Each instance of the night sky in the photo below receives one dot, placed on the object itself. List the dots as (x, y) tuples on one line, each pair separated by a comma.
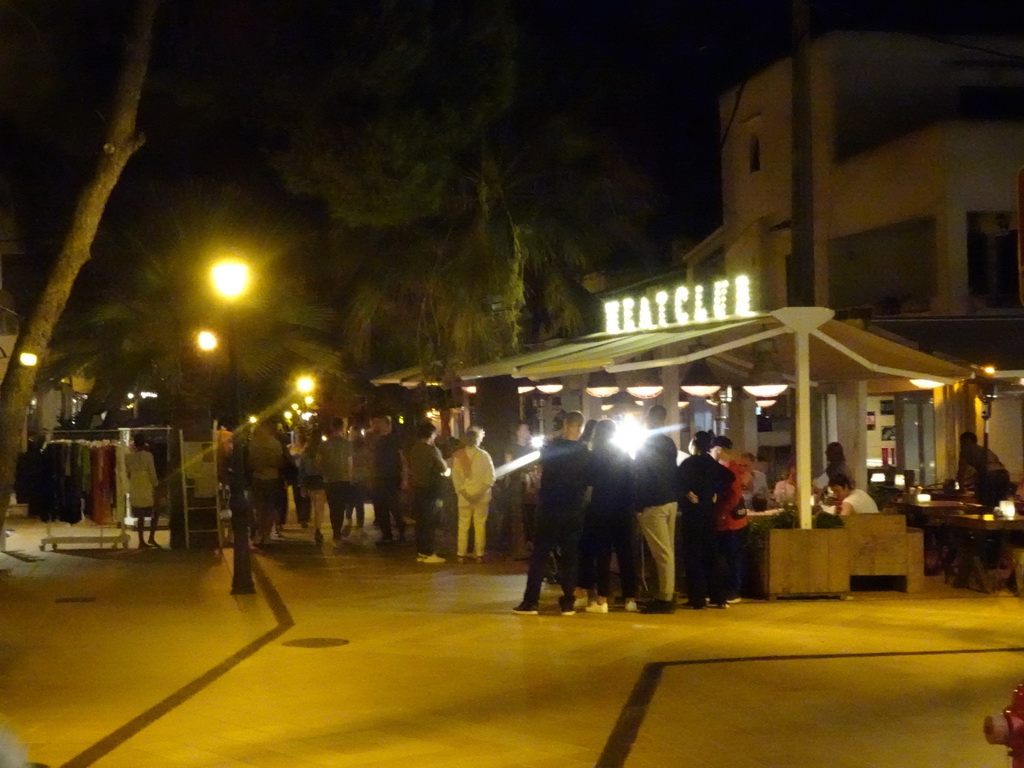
[(643, 75)]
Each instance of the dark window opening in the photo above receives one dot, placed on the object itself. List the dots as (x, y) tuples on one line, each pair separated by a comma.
[(992, 258), (755, 154), (980, 102)]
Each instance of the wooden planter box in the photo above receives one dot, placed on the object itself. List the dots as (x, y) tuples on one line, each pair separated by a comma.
[(797, 562)]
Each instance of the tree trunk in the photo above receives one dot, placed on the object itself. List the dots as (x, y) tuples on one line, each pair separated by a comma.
[(121, 142)]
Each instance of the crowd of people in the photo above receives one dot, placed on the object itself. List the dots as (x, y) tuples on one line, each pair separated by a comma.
[(574, 509), (335, 475)]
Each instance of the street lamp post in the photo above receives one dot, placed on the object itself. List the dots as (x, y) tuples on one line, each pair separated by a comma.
[(230, 280)]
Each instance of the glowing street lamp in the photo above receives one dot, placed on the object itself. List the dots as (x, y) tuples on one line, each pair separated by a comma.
[(305, 385), (230, 278), (28, 359), (206, 341)]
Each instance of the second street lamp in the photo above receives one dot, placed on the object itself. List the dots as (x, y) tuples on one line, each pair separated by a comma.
[(231, 280)]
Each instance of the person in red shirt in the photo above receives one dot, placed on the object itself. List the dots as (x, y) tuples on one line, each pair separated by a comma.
[(731, 514)]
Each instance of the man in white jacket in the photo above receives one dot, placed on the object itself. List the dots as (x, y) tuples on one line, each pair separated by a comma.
[(473, 476)]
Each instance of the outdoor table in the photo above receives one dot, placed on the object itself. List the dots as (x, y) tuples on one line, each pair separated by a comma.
[(968, 527)]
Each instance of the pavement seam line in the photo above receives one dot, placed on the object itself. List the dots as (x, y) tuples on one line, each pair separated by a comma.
[(627, 727), (115, 739)]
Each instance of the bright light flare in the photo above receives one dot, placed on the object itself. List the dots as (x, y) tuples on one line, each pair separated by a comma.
[(206, 341), (630, 434), (230, 278), (537, 441), (28, 359), (305, 384), (519, 463)]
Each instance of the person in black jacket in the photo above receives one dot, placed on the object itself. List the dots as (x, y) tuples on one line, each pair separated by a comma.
[(564, 480), (608, 524), (701, 481), (655, 468)]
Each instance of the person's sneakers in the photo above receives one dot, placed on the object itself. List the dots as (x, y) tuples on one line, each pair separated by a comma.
[(631, 606), (721, 606), (580, 603), (733, 600), (431, 559), (567, 604), (526, 609), (659, 606), (597, 608)]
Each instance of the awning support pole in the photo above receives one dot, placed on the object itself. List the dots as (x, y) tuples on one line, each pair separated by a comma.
[(803, 427), (803, 321)]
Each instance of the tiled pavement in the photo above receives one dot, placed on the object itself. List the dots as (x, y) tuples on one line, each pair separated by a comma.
[(436, 671)]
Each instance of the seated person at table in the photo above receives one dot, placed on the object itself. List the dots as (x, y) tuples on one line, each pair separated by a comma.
[(785, 489), (755, 485), (850, 500), (982, 469)]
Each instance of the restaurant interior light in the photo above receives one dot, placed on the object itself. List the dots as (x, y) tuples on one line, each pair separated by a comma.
[(765, 379), (646, 385), (1007, 508), (989, 369), (469, 389), (699, 381), (877, 477), (765, 403), (602, 384), (550, 387), (925, 383), (526, 387)]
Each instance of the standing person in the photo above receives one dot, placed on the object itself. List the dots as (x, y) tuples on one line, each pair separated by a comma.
[(608, 522), (311, 480), (655, 478), (701, 479), (981, 469), (386, 472), (731, 523), (473, 476), (426, 470), (588, 432), (522, 490), (356, 511), (336, 462), (836, 465), (265, 461), (142, 483), (564, 480), (282, 502), (301, 501)]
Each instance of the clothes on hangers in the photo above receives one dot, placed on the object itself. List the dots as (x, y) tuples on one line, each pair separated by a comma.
[(79, 477)]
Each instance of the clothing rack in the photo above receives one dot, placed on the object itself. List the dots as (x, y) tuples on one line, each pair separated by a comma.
[(113, 534)]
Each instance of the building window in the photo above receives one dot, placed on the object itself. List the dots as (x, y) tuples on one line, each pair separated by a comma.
[(754, 154), (992, 257), (992, 102)]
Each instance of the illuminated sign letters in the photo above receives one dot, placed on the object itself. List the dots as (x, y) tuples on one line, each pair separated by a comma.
[(685, 305)]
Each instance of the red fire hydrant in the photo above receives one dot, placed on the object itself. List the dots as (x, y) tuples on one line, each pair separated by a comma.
[(1007, 728)]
